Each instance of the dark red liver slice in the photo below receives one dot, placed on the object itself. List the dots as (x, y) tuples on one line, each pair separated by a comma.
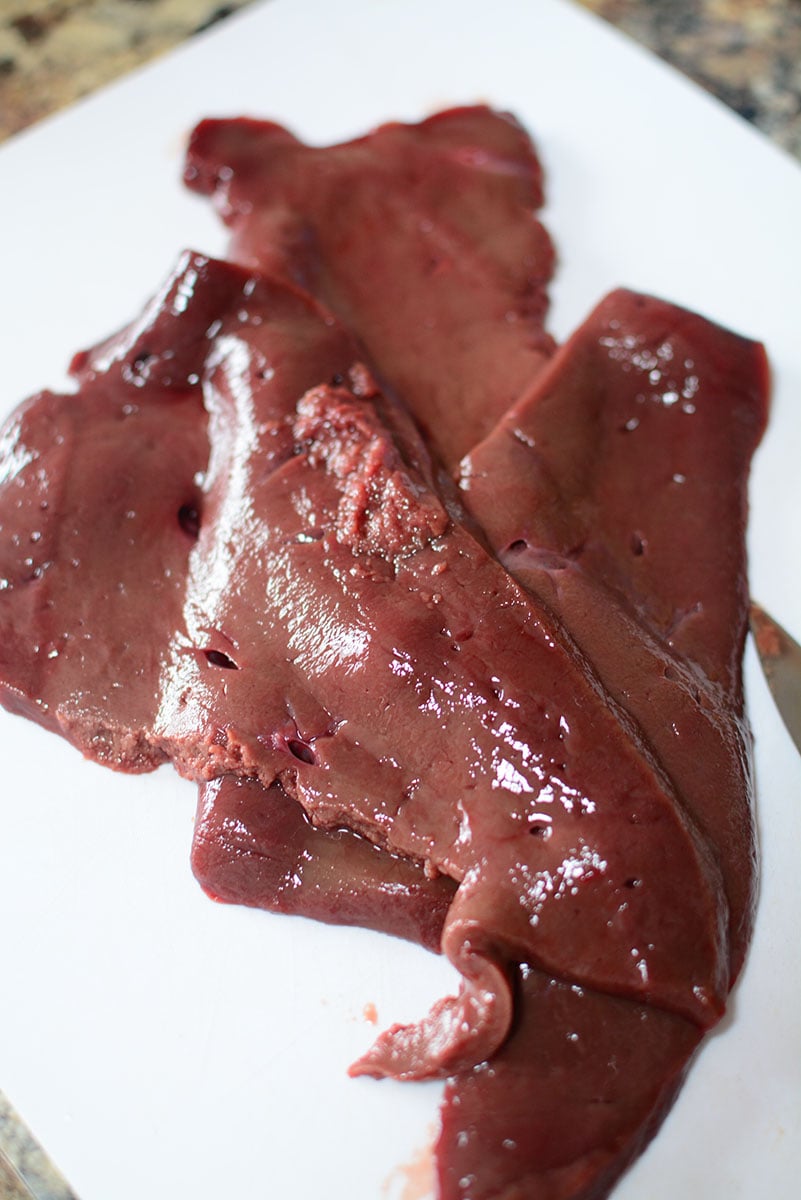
[(422, 240), (96, 504), (254, 846), (616, 492), (569, 1101)]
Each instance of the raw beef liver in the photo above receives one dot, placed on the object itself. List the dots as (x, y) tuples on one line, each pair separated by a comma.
[(573, 1096), (344, 634), (420, 237), (516, 704), (255, 846), (615, 492)]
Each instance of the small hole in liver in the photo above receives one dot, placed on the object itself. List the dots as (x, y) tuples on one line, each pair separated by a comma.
[(189, 519), (216, 658), (301, 750), (539, 829)]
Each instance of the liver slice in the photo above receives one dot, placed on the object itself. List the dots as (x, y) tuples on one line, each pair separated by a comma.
[(422, 240), (615, 492), (568, 1102), (253, 845)]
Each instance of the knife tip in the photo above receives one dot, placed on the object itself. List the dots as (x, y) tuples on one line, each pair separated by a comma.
[(768, 635)]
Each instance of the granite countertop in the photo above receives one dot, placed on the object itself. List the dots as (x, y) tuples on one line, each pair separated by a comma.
[(746, 52)]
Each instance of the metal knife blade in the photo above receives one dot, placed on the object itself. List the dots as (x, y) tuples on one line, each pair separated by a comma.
[(780, 656)]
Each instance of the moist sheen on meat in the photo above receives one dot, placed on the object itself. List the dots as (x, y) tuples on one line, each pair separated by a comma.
[(615, 493), (420, 237), (473, 716), (638, 513), (254, 845)]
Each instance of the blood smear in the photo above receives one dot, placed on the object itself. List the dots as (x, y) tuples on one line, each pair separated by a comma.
[(370, 1013), (413, 1180)]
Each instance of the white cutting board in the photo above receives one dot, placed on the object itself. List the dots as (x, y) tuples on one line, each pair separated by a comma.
[(164, 1046)]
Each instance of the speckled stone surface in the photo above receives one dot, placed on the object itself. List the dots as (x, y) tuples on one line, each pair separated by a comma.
[(54, 51), (746, 52), (25, 1170)]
